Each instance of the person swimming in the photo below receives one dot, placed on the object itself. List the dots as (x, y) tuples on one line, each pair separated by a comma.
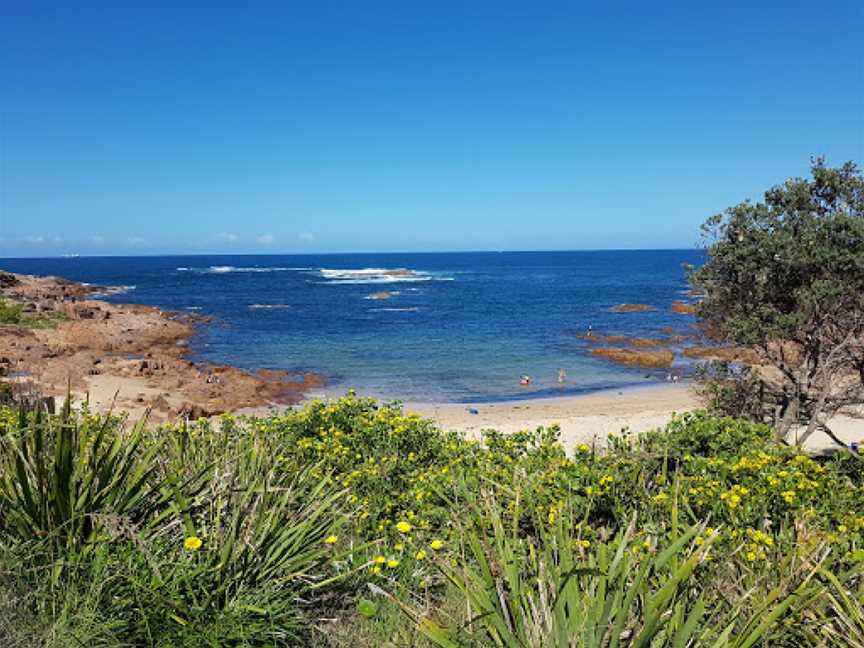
[(525, 380), (562, 376)]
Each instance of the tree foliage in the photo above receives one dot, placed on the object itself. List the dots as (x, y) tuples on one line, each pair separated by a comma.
[(786, 277)]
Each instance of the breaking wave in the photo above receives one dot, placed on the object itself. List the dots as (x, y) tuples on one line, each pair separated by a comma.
[(379, 275), (229, 269), (406, 309)]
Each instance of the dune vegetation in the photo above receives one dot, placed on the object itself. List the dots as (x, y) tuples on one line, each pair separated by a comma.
[(353, 523)]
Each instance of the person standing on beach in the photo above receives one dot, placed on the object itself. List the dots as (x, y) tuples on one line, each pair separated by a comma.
[(562, 376)]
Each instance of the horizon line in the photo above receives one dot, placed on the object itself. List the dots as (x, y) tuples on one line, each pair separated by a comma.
[(72, 256)]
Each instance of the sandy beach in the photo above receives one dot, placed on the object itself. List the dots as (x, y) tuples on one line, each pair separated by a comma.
[(591, 418), (588, 418)]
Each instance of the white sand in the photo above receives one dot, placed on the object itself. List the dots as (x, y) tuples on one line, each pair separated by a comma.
[(592, 417)]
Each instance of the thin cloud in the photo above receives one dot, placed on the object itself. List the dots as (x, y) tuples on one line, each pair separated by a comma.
[(97, 240), (227, 237), (136, 240), (306, 237), (266, 239)]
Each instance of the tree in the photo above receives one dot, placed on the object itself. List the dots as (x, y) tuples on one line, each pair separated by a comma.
[(785, 277)]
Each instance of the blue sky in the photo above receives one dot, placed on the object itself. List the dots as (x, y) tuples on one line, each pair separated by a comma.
[(144, 128)]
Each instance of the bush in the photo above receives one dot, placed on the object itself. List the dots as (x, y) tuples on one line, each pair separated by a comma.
[(244, 530), (10, 314)]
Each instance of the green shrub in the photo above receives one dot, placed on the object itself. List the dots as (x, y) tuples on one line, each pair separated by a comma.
[(10, 313)]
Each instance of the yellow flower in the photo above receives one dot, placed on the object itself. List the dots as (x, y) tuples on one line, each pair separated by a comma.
[(589, 490), (420, 555), (392, 563), (583, 447), (659, 498), (751, 556), (403, 527), (380, 560), (789, 496), (375, 569), (437, 544), (331, 539), (192, 543)]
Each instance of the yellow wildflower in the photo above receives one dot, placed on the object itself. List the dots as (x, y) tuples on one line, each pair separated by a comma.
[(420, 555), (331, 539), (437, 544), (392, 563), (404, 527), (192, 543)]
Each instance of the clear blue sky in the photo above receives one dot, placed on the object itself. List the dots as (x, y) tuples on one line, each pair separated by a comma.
[(147, 128)]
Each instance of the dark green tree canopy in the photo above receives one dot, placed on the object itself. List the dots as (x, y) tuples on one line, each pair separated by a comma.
[(786, 277)]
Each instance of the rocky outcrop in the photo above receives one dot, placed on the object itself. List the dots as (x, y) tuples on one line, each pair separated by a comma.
[(631, 308), (728, 354), (683, 308), (648, 359), (384, 294)]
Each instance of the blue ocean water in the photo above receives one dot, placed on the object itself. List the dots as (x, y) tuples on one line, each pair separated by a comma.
[(458, 327)]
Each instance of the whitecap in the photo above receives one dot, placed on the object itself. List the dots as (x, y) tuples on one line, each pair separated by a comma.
[(113, 290), (227, 269), (407, 309), (378, 275), (269, 306)]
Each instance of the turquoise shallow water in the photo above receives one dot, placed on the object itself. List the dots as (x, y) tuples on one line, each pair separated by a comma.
[(457, 326)]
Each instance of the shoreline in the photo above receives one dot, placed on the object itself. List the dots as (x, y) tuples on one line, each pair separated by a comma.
[(582, 418), (130, 357)]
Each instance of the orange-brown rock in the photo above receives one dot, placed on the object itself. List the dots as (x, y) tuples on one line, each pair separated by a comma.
[(605, 339), (648, 342), (140, 347), (683, 308), (729, 354), (631, 308), (381, 295), (648, 359)]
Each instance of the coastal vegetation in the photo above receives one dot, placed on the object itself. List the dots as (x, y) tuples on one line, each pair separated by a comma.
[(785, 279), (354, 523)]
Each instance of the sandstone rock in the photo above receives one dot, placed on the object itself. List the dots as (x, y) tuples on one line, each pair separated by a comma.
[(648, 359), (683, 308), (631, 308)]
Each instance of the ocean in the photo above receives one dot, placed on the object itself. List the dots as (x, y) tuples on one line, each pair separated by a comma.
[(455, 327)]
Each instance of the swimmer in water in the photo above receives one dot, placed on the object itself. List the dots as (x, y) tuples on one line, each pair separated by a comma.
[(562, 376), (525, 380)]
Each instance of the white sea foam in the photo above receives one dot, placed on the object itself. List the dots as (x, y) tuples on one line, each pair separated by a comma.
[(379, 275), (113, 290), (269, 306), (407, 309), (229, 269)]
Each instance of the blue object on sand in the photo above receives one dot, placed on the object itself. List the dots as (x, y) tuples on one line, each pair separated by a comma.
[(471, 410)]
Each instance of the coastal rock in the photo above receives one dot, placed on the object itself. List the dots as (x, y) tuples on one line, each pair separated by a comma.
[(683, 308), (728, 354), (599, 338), (631, 308), (647, 359), (381, 295), (7, 280)]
